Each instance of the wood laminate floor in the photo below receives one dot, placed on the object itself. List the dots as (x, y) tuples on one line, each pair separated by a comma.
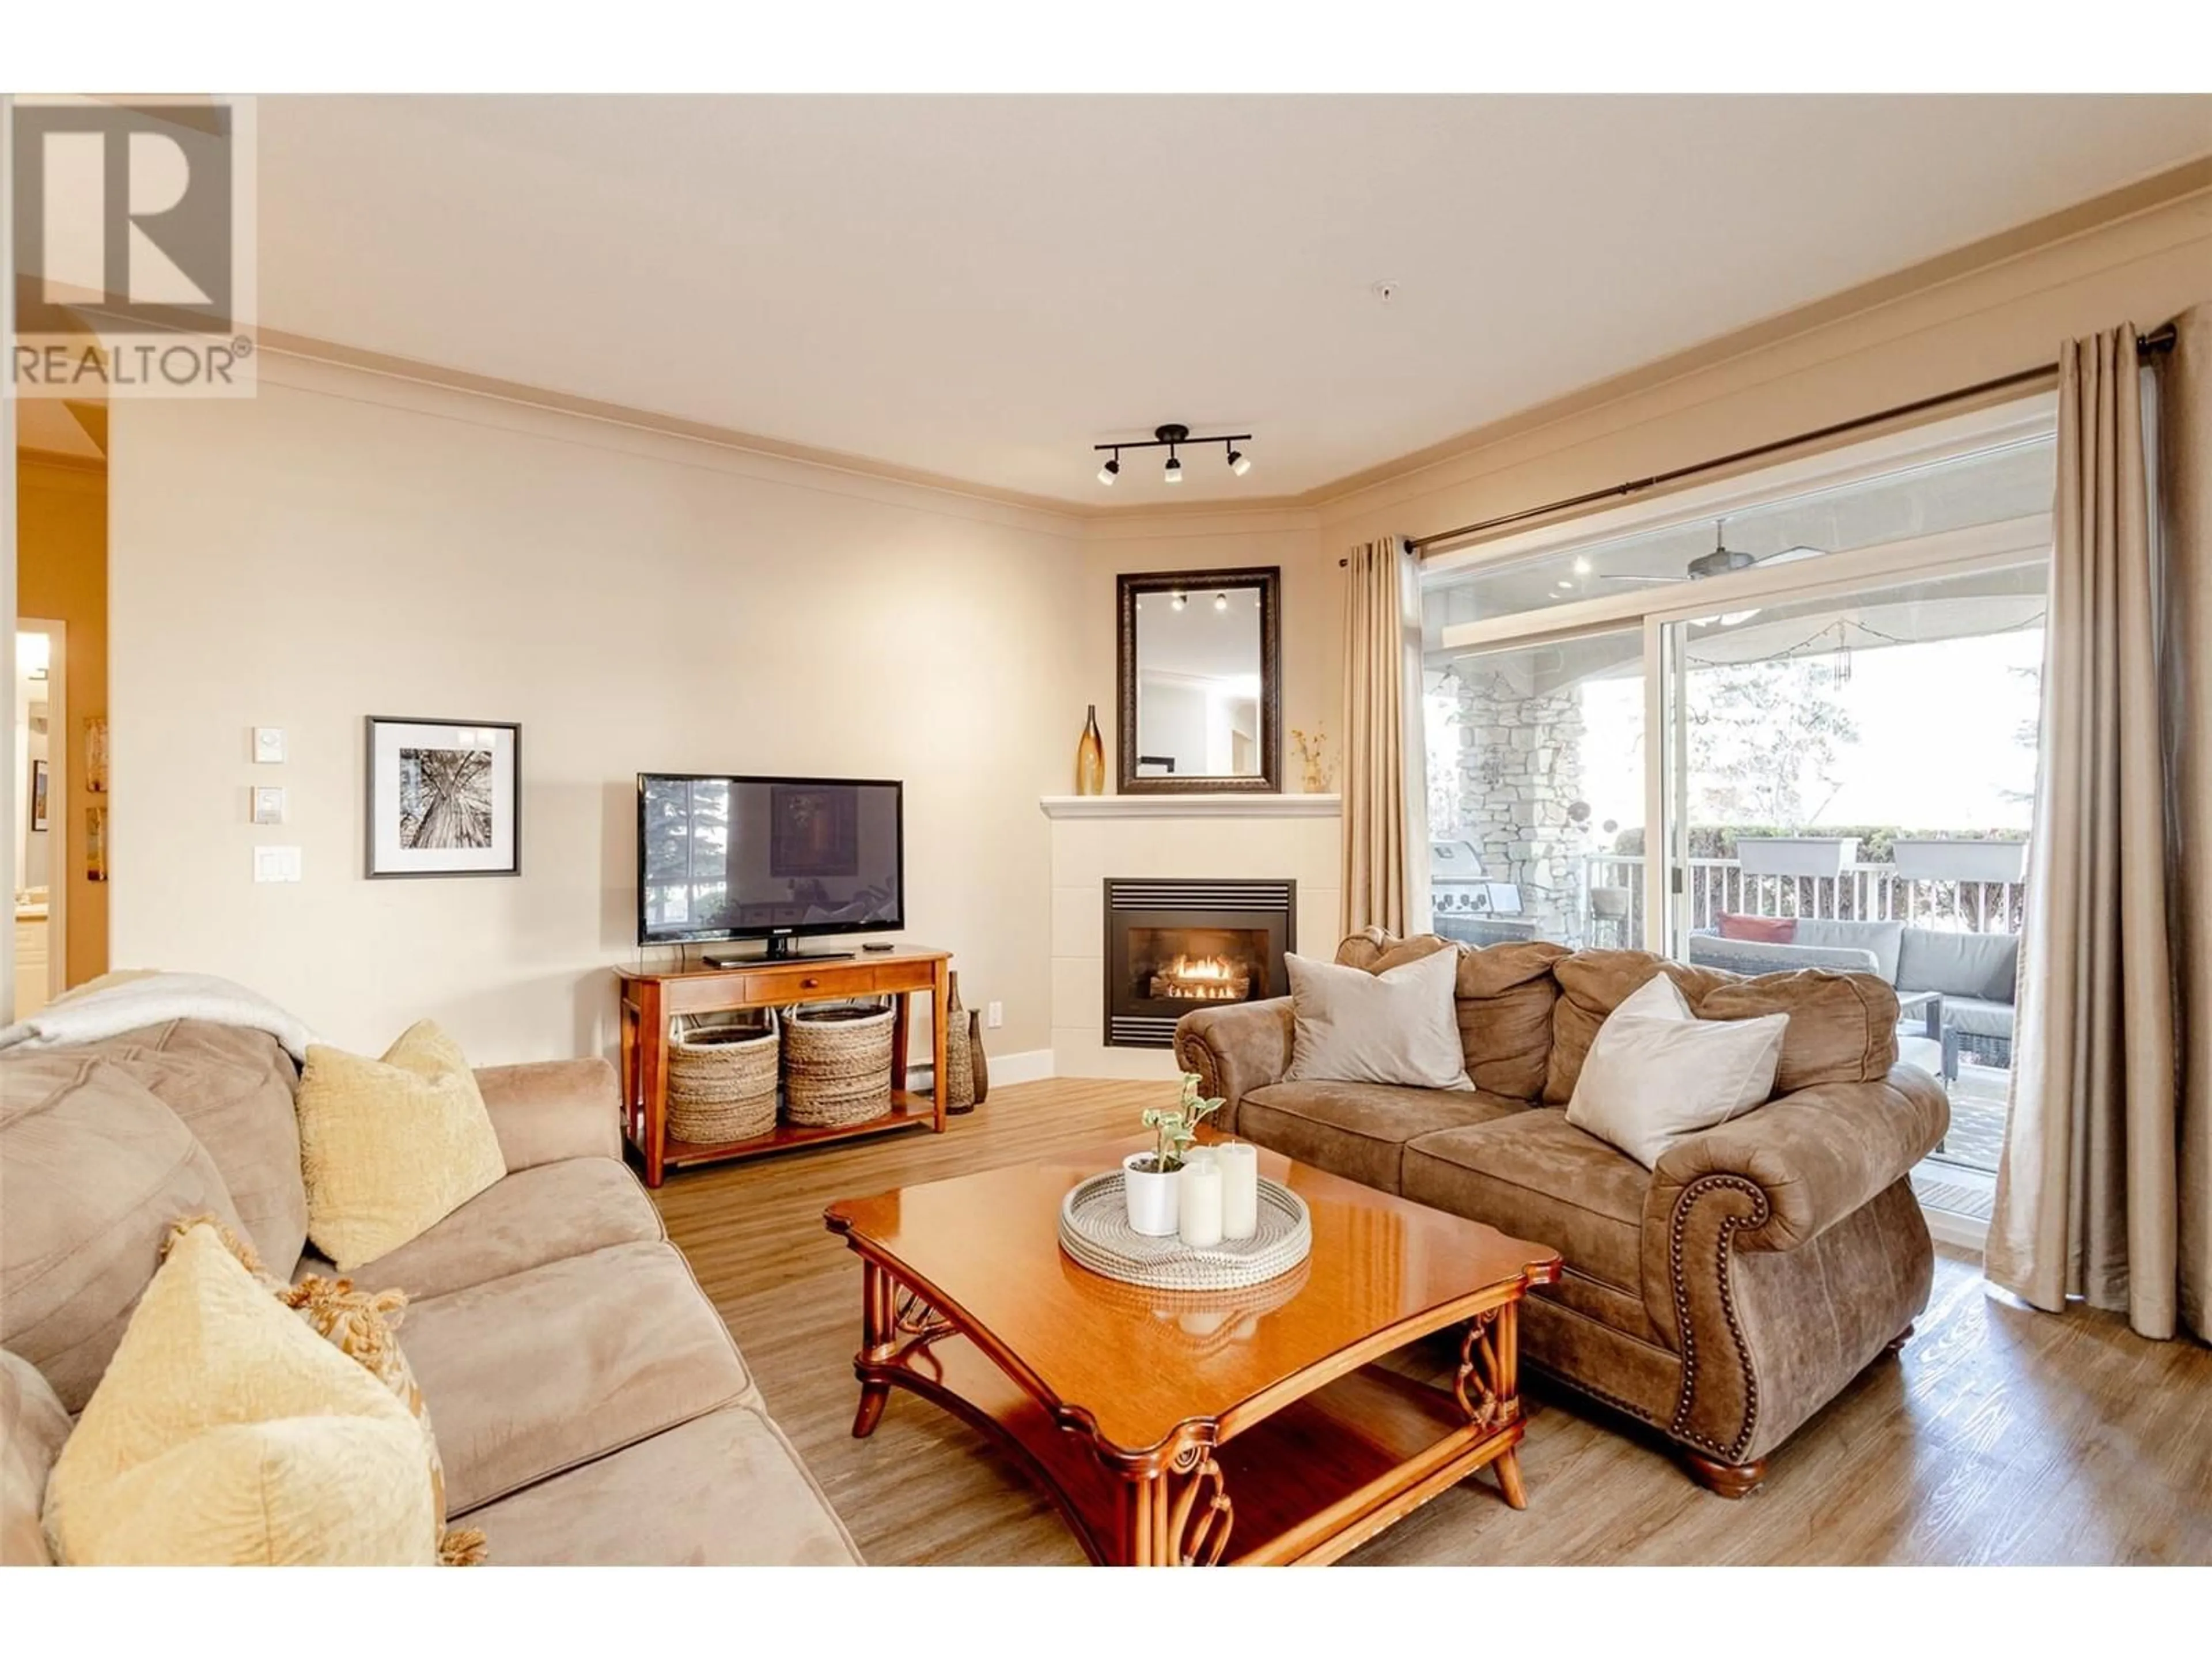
[(2001, 1434)]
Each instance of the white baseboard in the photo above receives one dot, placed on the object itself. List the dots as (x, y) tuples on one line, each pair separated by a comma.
[(1029, 1065), (1963, 1232)]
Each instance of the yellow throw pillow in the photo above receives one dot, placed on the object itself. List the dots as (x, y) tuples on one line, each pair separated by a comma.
[(390, 1147), (225, 1431)]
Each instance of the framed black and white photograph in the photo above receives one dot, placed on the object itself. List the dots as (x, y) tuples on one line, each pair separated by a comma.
[(445, 797)]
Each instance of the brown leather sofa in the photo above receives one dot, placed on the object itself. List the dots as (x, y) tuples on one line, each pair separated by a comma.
[(1722, 1297), (589, 1404)]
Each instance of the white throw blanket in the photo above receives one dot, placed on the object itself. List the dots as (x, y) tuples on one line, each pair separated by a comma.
[(155, 999)]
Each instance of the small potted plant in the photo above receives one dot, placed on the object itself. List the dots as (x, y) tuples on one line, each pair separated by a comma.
[(1148, 1179)]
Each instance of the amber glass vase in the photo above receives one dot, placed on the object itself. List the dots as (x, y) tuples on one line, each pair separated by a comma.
[(1090, 757)]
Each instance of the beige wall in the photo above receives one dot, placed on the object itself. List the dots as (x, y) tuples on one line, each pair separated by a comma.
[(62, 575), (1313, 608), (1968, 328), (342, 546)]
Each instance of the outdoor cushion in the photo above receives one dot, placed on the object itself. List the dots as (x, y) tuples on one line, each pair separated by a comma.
[(232, 1087), (1360, 1130), (725, 1489), (93, 1171), (1974, 1017), (1765, 930), (537, 1372), (1885, 938), (546, 1214), (1984, 966), (1745, 956), (1534, 1175)]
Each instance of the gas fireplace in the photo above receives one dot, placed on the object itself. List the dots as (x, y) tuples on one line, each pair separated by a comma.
[(1172, 946)]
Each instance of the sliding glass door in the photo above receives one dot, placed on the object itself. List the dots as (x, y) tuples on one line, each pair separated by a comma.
[(1800, 735), (1536, 792)]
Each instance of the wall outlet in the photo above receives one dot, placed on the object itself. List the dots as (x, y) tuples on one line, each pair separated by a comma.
[(277, 864), (994, 1015), (268, 745)]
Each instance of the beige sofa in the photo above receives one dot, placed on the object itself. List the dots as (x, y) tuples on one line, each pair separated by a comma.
[(1722, 1297), (589, 1404)]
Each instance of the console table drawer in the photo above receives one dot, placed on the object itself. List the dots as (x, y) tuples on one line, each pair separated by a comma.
[(853, 981)]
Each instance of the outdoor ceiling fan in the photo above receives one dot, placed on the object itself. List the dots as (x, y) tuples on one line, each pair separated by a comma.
[(1722, 560)]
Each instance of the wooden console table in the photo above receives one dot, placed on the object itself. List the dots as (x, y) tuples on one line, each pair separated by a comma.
[(649, 1001)]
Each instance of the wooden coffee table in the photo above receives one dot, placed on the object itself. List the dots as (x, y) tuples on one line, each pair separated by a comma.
[(1175, 1428)]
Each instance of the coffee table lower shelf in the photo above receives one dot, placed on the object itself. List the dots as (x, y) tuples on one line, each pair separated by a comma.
[(1307, 1484)]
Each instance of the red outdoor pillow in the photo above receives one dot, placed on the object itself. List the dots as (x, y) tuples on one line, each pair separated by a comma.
[(1764, 930)]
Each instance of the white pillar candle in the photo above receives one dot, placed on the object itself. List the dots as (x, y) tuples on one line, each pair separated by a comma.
[(1238, 1161), (1197, 1205)]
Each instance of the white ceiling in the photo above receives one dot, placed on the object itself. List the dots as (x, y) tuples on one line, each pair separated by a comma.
[(983, 288)]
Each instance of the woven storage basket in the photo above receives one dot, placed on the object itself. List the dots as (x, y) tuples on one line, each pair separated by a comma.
[(836, 1065), (721, 1081)]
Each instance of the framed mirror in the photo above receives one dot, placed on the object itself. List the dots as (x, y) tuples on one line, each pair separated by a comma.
[(1200, 673)]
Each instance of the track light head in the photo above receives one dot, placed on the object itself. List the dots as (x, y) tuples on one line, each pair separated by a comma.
[(1111, 470), (1180, 601), (1239, 462), (1174, 468), (1221, 602)]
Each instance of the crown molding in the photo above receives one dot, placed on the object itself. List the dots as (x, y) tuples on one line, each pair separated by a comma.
[(2172, 188), (1304, 509)]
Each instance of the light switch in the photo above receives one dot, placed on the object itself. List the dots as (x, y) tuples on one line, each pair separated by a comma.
[(277, 864), (269, 804), (268, 745)]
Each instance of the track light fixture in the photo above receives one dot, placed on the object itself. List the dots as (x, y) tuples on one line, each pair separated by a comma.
[(1172, 437), (1221, 602)]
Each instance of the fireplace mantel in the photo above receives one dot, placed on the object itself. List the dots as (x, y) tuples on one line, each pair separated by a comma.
[(1202, 837), (1229, 804)]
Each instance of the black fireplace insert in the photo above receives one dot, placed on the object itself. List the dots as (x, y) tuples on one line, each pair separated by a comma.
[(1173, 946)]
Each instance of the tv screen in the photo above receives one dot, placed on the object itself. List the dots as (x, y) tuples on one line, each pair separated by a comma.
[(722, 858)]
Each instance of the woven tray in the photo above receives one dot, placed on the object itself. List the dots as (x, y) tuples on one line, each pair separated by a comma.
[(1095, 1231)]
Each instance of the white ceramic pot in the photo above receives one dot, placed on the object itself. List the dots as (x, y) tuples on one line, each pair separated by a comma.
[(1151, 1197)]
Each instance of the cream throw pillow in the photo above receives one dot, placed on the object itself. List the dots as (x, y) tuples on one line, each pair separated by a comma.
[(1656, 1072), (1351, 1026), (390, 1147), (226, 1432)]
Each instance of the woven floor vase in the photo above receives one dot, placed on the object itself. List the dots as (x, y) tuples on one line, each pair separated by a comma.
[(721, 1082), (836, 1065)]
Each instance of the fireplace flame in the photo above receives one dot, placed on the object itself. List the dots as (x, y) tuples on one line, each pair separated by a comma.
[(1201, 979), (1203, 968)]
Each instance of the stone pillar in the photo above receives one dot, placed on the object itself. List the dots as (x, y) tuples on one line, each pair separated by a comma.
[(1521, 769)]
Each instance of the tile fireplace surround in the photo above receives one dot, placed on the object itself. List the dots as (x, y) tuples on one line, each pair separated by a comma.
[(1193, 837)]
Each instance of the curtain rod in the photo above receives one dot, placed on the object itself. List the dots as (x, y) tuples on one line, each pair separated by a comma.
[(2159, 339)]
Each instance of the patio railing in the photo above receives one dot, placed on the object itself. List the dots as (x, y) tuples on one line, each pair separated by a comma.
[(1863, 893)]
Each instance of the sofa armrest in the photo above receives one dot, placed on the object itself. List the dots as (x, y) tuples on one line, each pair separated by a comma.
[(1236, 1048), (1811, 1158), (553, 1109)]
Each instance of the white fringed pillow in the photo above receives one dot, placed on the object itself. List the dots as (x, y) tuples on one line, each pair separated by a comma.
[(1656, 1072)]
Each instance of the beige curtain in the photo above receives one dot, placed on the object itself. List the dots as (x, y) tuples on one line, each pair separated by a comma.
[(2185, 613), (1386, 864), (2089, 1199)]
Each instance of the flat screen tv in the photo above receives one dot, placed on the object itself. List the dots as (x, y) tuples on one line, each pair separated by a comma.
[(722, 857)]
